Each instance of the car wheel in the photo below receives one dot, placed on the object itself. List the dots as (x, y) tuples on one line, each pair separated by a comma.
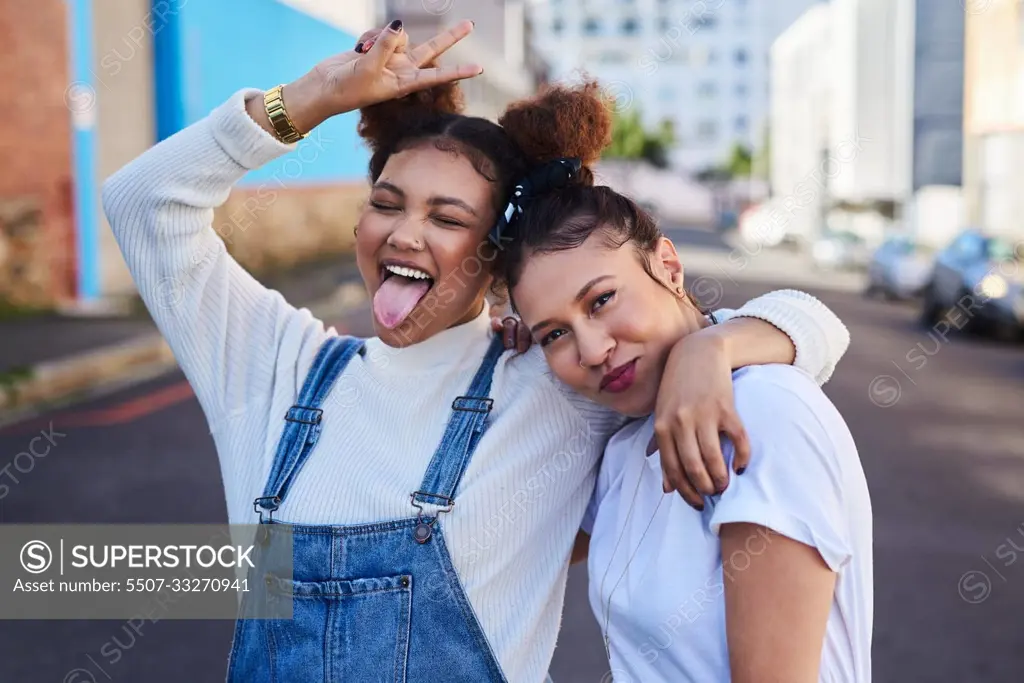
[(931, 309), (1006, 332)]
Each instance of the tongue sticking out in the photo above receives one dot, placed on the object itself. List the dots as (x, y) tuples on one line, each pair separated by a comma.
[(396, 298)]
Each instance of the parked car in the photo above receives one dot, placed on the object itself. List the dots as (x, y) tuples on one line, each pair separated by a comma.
[(978, 282), (899, 269), (840, 250)]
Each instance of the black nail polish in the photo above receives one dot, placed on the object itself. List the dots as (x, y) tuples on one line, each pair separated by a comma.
[(741, 470), (395, 25), (698, 508), (359, 47)]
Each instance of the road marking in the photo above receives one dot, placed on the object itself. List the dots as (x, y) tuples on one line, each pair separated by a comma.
[(119, 414)]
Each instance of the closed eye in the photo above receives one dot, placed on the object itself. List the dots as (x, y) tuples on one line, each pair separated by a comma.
[(380, 206), (450, 222)]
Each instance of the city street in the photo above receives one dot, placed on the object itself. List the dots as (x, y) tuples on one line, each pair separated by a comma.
[(939, 428)]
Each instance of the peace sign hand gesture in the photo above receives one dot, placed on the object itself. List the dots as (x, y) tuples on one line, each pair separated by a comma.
[(389, 69)]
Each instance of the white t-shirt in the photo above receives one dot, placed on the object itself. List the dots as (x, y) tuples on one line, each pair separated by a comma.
[(667, 615)]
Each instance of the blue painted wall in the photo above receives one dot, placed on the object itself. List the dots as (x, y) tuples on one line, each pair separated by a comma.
[(216, 48)]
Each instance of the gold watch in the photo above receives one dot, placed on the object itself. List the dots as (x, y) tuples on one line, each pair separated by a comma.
[(286, 130)]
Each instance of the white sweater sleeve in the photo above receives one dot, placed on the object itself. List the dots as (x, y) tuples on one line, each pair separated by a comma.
[(227, 331), (818, 334)]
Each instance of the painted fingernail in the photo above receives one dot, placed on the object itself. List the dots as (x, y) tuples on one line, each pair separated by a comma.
[(395, 26), (368, 44), (698, 508), (741, 470), (359, 47)]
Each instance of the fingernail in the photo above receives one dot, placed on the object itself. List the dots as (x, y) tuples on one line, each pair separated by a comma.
[(699, 508), (741, 470), (395, 26), (368, 44), (359, 47)]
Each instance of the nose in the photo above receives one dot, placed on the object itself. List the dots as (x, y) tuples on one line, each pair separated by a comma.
[(595, 346), (407, 236)]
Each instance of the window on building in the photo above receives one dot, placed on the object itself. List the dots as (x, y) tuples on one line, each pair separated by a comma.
[(706, 90), (704, 22), (741, 90), (630, 26), (667, 94), (741, 56), (557, 25), (741, 125), (707, 130), (591, 26), (664, 23)]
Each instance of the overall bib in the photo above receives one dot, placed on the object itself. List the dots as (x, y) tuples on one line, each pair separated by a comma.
[(378, 601)]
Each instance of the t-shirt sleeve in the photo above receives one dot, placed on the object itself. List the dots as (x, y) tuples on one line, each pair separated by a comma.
[(794, 483)]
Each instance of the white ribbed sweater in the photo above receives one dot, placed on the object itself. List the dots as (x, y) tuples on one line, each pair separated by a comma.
[(246, 351)]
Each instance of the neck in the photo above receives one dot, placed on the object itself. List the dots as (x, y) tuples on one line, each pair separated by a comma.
[(693, 319)]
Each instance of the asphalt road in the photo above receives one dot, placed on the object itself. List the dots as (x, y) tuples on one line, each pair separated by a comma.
[(940, 428)]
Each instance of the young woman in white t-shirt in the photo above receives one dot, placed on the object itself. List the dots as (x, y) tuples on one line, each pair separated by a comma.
[(432, 529), (769, 581)]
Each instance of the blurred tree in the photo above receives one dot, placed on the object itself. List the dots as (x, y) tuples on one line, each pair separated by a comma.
[(630, 140), (740, 162)]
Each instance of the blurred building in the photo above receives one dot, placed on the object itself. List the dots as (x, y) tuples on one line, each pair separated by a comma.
[(799, 116), (869, 166), (866, 118), (994, 117), (500, 43), (701, 64)]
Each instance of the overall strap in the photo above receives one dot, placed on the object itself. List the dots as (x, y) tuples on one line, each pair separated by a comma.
[(302, 422), (465, 427)]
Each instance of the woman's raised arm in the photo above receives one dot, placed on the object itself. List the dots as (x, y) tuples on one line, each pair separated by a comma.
[(226, 330)]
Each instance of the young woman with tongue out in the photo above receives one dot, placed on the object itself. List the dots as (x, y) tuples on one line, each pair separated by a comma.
[(433, 483)]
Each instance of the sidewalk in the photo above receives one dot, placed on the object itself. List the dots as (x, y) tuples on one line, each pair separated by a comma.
[(49, 359)]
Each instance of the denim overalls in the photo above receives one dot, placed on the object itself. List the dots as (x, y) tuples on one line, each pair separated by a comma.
[(378, 601)]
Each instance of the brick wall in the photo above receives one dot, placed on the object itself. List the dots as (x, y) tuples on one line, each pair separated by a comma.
[(36, 228)]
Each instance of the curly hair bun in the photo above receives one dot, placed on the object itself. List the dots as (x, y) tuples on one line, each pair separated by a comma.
[(382, 124), (561, 121)]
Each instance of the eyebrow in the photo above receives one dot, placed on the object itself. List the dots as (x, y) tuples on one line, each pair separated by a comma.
[(434, 201), (579, 297)]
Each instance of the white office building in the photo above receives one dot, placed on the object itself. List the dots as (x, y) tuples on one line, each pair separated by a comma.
[(703, 64), (866, 118)]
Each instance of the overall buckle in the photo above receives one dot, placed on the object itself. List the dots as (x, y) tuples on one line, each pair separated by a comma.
[(473, 404), (304, 415), (424, 529), (266, 504)]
